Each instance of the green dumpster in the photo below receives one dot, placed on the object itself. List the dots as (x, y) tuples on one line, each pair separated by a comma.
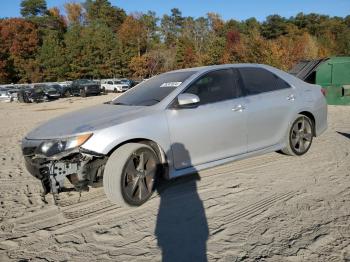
[(333, 74)]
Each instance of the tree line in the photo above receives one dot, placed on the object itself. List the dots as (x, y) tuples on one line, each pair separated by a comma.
[(95, 39)]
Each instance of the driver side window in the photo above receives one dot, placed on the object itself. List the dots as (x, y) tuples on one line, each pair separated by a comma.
[(216, 86)]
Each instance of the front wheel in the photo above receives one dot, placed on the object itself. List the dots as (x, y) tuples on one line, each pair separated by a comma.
[(82, 93), (130, 174), (67, 93), (300, 136)]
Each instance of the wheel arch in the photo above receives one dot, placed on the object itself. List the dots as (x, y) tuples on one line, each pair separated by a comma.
[(312, 117), (154, 145)]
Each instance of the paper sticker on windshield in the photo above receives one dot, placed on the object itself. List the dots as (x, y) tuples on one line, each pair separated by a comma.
[(171, 84)]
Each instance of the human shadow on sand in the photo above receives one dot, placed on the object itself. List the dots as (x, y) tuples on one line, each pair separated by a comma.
[(182, 228)]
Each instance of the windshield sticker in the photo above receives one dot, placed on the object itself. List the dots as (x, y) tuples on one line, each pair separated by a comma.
[(171, 84)]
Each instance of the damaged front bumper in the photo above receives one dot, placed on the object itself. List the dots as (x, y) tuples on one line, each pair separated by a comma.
[(82, 168)]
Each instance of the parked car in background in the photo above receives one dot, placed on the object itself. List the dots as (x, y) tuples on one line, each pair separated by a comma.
[(175, 124), (13, 93), (29, 94), (113, 85), (5, 95), (85, 87), (49, 92), (64, 90), (136, 82), (129, 82), (59, 89)]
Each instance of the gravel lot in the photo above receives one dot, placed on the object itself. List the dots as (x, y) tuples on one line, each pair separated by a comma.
[(267, 208)]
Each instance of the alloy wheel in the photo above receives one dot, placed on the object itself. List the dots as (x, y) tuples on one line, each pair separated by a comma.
[(301, 135), (139, 175)]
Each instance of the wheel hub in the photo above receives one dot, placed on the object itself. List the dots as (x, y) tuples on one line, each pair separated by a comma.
[(300, 135), (140, 175)]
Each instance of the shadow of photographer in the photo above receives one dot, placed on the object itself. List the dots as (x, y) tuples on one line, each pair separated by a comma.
[(181, 228)]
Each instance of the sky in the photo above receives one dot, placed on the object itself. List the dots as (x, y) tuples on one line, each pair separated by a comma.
[(228, 9)]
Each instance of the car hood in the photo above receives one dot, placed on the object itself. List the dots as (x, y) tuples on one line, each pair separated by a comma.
[(86, 120)]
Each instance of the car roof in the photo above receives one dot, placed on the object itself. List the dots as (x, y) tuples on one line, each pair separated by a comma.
[(286, 76), (213, 67)]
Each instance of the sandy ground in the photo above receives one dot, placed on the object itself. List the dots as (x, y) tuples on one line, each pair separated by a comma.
[(267, 208)]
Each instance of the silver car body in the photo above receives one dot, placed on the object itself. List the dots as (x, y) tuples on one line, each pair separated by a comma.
[(212, 134)]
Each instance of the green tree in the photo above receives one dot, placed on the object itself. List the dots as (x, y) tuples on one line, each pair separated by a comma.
[(51, 57), (274, 26), (33, 8), (90, 51), (149, 21), (171, 26), (185, 54), (103, 12), (249, 25), (196, 31)]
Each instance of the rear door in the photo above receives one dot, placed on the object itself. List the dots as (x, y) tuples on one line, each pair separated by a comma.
[(269, 104), (216, 128)]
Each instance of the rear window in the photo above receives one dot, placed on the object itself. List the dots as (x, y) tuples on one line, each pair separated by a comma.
[(154, 90), (259, 80)]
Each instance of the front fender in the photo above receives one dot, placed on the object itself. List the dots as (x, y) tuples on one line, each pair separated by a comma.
[(153, 127)]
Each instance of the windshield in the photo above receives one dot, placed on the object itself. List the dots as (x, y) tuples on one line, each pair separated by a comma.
[(58, 87), (153, 90)]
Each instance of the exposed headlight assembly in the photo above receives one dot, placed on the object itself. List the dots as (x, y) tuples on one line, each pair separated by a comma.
[(53, 147)]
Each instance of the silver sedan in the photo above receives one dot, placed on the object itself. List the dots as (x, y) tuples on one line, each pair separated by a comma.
[(175, 124)]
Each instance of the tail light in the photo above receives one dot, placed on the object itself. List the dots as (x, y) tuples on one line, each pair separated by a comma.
[(323, 91)]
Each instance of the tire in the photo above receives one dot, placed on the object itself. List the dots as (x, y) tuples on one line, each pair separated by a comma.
[(115, 90), (82, 93), (300, 136), (67, 93), (22, 97), (125, 182)]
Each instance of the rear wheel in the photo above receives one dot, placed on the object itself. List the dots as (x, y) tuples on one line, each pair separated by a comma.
[(130, 174), (300, 136)]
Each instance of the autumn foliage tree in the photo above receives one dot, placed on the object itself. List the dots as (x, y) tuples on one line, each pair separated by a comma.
[(19, 42), (96, 39), (74, 13)]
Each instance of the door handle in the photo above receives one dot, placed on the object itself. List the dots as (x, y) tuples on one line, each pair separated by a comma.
[(238, 108), (291, 97)]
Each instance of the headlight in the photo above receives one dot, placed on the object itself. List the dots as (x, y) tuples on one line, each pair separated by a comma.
[(53, 147)]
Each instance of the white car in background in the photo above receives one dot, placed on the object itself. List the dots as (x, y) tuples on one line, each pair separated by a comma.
[(8, 95), (114, 85), (4, 95)]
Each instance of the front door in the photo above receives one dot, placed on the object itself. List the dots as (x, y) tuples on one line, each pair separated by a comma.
[(213, 130)]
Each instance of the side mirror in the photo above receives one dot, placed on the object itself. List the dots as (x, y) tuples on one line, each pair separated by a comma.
[(187, 99)]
